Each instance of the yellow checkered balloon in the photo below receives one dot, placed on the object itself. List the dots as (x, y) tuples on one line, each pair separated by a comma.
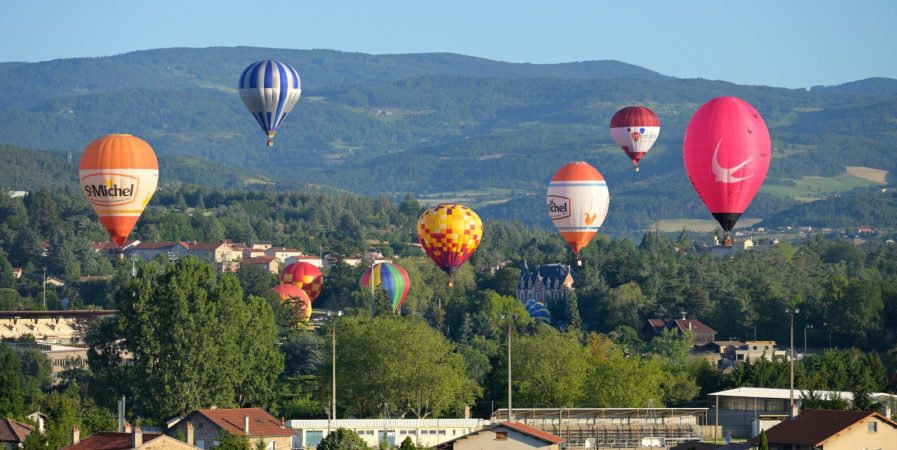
[(449, 233)]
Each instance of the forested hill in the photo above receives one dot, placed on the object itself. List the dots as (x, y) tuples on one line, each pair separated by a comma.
[(441, 126)]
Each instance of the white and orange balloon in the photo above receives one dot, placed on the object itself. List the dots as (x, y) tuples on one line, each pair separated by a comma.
[(577, 203), (118, 174)]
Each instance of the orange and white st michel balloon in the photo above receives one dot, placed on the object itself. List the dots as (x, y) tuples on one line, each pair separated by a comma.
[(118, 173), (577, 203)]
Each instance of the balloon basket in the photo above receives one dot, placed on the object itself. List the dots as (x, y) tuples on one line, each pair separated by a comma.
[(636, 169), (270, 143), (578, 262)]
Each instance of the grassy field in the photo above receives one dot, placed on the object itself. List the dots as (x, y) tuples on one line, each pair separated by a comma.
[(868, 173), (703, 226), (471, 198), (814, 188)]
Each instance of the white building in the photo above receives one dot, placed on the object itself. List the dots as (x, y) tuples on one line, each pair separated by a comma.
[(426, 432)]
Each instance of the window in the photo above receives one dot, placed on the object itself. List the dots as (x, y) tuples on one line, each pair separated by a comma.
[(501, 436), (873, 427), (313, 438)]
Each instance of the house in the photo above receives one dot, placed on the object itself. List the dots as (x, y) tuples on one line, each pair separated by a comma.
[(703, 333), (56, 326), (833, 430), (546, 283), (215, 252), (505, 435), (13, 434), (149, 250), (754, 350), (254, 423), (54, 281), (17, 273), (425, 432), (743, 412), (17, 194), (282, 253), (62, 357), (131, 439), (268, 262), (111, 249), (316, 261)]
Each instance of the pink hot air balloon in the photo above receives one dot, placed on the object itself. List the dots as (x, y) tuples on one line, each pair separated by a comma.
[(726, 153)]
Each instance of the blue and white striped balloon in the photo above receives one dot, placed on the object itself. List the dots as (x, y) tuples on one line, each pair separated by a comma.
[(270, 89), (537, 311)]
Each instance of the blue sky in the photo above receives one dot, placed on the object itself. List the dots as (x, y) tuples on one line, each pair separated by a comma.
[(790, 43)]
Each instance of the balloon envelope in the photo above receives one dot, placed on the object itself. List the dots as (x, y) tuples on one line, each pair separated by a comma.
[(726, 152), (296, 300), (118, 174), (270, 89), (449, 233), (577, 203), (537, 311), (635, 129), (391, 278), (304, 276)]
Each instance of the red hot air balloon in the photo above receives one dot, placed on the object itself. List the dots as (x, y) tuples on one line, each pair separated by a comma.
[(635, 128), (305, 276), (726, 153)]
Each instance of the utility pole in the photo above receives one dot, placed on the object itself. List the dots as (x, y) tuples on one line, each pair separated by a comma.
[(332, 415), (45, 288), (510, 385), (791, 311)]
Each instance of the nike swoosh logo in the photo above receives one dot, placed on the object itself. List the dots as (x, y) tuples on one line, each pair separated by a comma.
[(726, 175)]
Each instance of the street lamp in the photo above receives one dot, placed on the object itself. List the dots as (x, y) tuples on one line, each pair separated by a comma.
[(806, 327), (511, 320), (791, 312), (332, 415)]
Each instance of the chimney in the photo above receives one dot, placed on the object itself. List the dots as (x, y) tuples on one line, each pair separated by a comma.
[(76, 435), (282, 422), (127, 427), (246, 425), (689, 325), (191, 437), (136, 437)]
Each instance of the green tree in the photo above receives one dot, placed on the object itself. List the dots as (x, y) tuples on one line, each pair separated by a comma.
[(192, 335), (616, 380), (7, 280), (10, 383), (406, 365), (764, 443), (342, 439), (256, 280), (574, 321), (549, 368), (230, 441)]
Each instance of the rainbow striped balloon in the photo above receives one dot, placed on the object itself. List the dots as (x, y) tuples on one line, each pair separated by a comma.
[(390, 278)]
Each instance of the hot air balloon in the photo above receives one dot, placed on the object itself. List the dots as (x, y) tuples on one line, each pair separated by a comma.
[(577, 203), (635, 128), (449, 233), (118, 174), (270, 89), (305, 276), (390, 278), (296, 300), (726, 152), (537, 311)]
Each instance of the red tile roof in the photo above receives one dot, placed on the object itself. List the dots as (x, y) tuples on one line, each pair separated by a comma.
[(204, 245), (109, 440), (260, 422), (12, 431), (528, 430), (696, 326), (258, 260), (815, 426)]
